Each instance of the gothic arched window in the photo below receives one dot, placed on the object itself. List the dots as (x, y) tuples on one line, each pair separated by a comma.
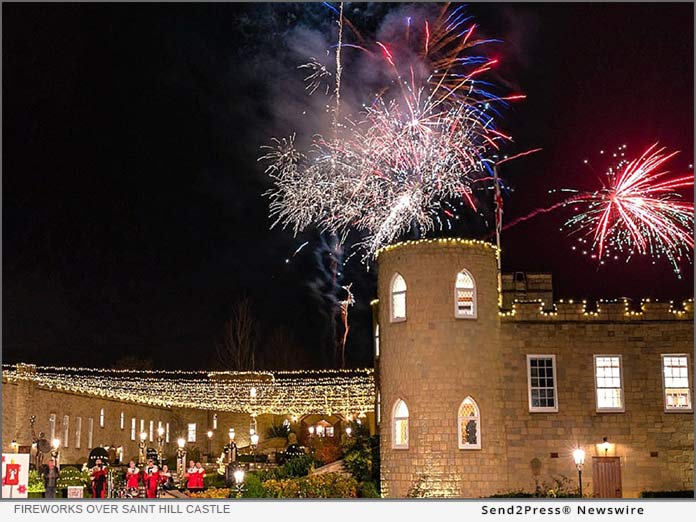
[(400, 425), (465, 295), (469, 425), (398, 298)]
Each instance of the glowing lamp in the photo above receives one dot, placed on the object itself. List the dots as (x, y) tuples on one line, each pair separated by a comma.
[(210, 434), (143, 436), (605, 445), (181, 443), (160, 431), (238, 476), (579, 457), (56, 443), (231, 433), (254, 439)]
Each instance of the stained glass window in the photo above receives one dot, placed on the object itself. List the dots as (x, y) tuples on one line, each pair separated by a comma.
[(469, 425), (398, 295), (465, 295), (400, 425)]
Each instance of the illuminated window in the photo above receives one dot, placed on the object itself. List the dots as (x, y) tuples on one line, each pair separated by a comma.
[(101, 418), (52, 426), (400, 425), (398, 298), (675, 373), (215, 421), (465, 296), (142, 425), (469, 425), (166, 433), (191, 432), (378, 408), (133, 434), (66, 430), (376, 340), (541, 375), (152, 430), (122, 421), (90, 432), (78, 431), (608, 383)]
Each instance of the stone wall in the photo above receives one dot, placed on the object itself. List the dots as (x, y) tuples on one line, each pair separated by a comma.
[(433, 362)]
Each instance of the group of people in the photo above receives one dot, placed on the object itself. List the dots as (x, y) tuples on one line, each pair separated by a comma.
[(152, 476), (155, 477)]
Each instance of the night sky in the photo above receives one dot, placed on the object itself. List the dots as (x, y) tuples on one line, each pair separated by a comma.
[(133, 214)]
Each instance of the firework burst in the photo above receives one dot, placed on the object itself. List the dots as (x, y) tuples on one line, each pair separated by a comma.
[(638, 211), (423, 144)]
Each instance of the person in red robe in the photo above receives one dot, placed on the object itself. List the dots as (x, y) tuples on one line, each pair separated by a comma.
[(200, 476), (152, 479), (191, 476), (98, 476), (132, 476)]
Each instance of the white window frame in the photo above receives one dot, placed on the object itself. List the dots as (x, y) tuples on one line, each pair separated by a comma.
[(665, 388), (152, 430), (78, 431), (621, 389), (474, 305), (66, 431), (191, 432), (52, 419), (101, 418), (392, 294), (122, 421), (476, 417), (90, 432), (542, 409), (166, 433), (395, 419), (215, 421), (133, 426), (376, 340)]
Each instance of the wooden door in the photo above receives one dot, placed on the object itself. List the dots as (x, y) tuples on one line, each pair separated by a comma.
[(606, 477)]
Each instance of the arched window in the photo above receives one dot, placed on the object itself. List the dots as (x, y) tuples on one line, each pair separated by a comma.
[(465, 296), (398, 298), (400, 425), (469, 425)]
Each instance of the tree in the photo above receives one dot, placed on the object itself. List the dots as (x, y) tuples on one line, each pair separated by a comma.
[(236, 349)]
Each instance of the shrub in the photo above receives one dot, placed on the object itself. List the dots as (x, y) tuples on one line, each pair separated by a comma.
[(298, 466), (253, 487), (368, 490), (211, 493), (278, 430), (358, 454), (213, 480), (73, 477), (36, 482), (689, 493), (327, 450), (327, 485)]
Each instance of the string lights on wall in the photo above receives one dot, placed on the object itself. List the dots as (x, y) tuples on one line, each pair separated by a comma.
[(279, 393)]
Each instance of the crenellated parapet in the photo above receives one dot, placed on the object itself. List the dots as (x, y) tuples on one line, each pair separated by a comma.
[(613, 310)]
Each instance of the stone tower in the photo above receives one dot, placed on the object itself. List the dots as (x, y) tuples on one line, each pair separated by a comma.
[(443, 360)]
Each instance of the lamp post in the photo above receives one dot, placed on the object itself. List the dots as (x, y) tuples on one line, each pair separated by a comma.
[(254, 442), (55, 452), (180, 459), (160, 444), (142, 449), (238, 482), (210, 444), (579, 458)]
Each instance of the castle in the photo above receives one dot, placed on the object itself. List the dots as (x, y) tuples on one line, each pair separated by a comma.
[(474, 391)]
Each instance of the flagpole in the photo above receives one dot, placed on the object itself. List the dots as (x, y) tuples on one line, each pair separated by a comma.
[(498, 228)]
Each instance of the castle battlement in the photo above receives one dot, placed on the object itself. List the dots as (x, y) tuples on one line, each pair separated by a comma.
[(612, 310)]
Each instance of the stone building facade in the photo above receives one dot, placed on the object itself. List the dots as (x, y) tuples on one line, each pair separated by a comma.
[(543, 380)]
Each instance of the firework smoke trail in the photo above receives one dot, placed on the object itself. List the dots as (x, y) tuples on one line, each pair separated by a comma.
[(422, 143), (637, 211)]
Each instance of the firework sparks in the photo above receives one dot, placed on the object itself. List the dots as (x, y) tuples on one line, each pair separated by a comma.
[(638, 211), (404, 161)]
